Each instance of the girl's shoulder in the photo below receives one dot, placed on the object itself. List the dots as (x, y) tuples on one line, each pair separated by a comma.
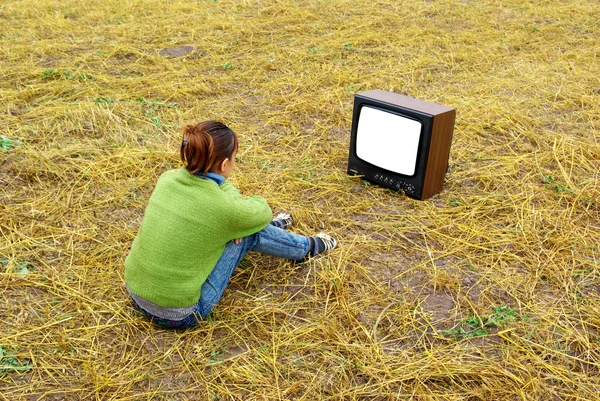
[(178, 171), (182, 178), (175, 175)]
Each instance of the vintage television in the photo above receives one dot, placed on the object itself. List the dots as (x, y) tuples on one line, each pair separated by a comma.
[(400, 142)]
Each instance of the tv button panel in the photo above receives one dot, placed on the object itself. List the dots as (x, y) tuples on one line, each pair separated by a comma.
[(398, 185), (406, 187)]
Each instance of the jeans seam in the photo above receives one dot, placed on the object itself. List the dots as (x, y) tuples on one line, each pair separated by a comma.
[(210, 303)]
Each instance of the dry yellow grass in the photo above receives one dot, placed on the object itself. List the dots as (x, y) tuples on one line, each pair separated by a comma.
[(91, 102)]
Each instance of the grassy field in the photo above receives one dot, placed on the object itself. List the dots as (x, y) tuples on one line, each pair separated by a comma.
[(488, 291)]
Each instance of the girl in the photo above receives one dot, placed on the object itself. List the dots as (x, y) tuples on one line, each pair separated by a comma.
[(196, 230)]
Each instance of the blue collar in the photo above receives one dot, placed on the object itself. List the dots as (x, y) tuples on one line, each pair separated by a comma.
[(218, 178)]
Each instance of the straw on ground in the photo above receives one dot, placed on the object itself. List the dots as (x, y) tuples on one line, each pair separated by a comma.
[(488, 291)]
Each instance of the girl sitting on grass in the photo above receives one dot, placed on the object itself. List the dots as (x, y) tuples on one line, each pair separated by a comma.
[(196, 230)]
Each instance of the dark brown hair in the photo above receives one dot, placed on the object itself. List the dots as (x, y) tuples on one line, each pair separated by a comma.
[(206, 144)]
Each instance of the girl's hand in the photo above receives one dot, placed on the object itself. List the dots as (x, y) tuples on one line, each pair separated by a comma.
[(237, 240)]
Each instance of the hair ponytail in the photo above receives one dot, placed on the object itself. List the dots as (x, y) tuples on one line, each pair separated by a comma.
[(206, 144)]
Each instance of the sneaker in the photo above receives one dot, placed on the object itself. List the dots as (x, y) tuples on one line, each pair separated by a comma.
[(283, 221), (328, 241), (321, 243)]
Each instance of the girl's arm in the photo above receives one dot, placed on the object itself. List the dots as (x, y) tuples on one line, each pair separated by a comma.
[(245, 216)]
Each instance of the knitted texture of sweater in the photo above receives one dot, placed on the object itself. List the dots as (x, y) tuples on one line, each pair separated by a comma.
[(187, 223)]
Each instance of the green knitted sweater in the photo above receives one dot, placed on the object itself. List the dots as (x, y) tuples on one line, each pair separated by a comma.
[(186, 225)]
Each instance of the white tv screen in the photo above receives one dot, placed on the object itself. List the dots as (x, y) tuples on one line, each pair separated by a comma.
[(388, 140)]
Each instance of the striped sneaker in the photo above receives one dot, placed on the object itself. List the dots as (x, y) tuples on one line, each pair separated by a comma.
[(283, 221), (320, 244)]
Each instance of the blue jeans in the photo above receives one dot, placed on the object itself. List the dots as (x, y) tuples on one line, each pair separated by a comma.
[(271, 241)]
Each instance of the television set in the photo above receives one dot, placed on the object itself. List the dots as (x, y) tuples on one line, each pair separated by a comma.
[(400, 142)]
